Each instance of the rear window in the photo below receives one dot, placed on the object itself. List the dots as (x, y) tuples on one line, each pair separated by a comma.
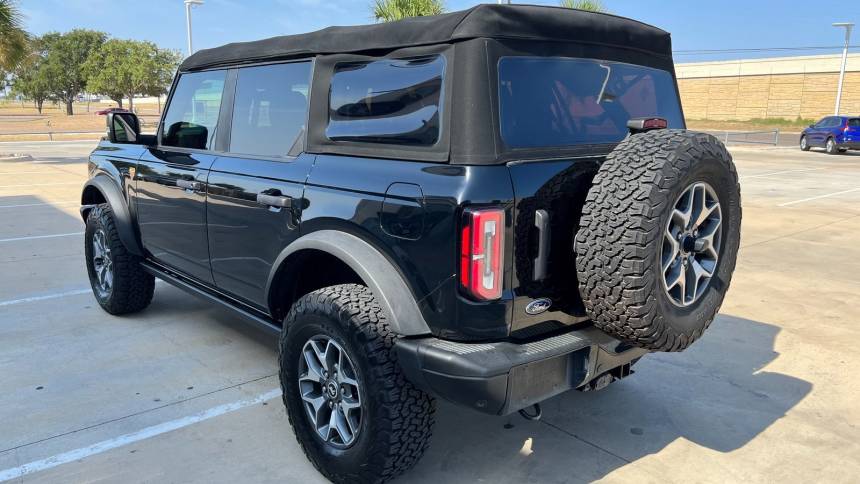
[(270, 109), (392, 101), (551, 101), (854, 123)]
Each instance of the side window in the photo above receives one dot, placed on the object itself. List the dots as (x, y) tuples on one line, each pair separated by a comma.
[(192, 116), (270, 109), (827, 122), (854, 123), (393, 101)]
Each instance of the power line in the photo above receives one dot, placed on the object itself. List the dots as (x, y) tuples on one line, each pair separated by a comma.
[(760, 49)]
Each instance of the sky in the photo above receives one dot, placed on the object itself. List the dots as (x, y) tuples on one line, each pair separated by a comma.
[(694, 25)]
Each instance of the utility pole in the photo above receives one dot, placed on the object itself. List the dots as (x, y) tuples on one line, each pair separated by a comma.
[(188, 5), (848, 26)]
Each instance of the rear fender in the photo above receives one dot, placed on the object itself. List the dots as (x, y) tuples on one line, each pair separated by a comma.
[(377, 272)]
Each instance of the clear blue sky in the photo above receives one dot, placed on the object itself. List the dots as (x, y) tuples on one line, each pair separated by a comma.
[(695, 25)]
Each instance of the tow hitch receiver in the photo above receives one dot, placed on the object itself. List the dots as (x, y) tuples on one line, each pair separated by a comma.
[(604, 379)]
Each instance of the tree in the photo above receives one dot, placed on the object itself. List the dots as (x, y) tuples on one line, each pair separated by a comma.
[(64, 63), (391, 10), (13, 38), (30, 77), (126, 68), (166, 64), (590, 5)]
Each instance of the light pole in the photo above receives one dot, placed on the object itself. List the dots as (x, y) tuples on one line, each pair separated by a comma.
[(848, 26), (188, 5)]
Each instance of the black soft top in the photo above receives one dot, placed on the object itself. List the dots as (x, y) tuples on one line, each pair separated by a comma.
[(520, 22)]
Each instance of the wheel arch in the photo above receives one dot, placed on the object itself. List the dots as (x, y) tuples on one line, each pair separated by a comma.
[(102, 189), (347, 258)]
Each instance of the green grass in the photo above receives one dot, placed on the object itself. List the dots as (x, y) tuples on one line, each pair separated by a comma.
[(778, 122)]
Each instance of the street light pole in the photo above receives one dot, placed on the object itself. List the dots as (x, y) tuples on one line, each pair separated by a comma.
[(848, 26), (188, 5)]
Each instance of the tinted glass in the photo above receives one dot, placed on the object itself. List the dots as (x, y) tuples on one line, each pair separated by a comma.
[(394, 101), (826, 122), (192, 116), (270, 109), (854, 123), (562, 102)]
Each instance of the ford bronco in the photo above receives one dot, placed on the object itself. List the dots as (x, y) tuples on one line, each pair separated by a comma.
[(491, 206)]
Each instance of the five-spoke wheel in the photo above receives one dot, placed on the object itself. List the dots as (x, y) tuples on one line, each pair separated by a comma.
[(102, 263), (330, 391), (691, 244)]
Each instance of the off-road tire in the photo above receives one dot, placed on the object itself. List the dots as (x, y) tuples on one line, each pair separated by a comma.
[(397, 418), (618, 245), (133, 287)]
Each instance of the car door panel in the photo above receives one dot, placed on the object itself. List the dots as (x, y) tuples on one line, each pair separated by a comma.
[(171, 209), (253, 212)]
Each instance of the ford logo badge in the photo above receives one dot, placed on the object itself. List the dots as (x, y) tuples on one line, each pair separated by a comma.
[(538, 306)]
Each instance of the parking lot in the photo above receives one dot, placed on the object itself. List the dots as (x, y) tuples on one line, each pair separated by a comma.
[(183, 392)]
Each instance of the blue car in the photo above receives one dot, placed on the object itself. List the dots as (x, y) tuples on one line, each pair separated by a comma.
[(836, 134)]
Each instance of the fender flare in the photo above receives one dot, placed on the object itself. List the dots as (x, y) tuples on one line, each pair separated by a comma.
[(122, 216), (380, 275)]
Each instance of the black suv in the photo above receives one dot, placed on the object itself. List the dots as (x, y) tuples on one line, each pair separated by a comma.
[(491, 206)]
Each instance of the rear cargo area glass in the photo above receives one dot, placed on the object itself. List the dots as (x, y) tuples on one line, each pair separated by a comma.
[(546, 102)]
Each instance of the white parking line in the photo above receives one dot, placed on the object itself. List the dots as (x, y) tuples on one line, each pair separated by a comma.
[(21, 205), (782, 172), (44, 297), (33, 237), (42, 185), (786, 204), (148, 432)]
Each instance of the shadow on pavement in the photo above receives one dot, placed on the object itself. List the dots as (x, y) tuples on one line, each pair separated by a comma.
[(715, 395)]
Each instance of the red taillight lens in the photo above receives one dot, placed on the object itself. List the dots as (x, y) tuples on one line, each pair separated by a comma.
[(481, 252)]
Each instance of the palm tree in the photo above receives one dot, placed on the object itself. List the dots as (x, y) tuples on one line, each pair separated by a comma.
[(13, 38), (590, 5), (390, 10)]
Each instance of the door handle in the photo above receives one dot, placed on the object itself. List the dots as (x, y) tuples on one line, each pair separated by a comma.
[(277, 201), (189, 185), (544, 238)]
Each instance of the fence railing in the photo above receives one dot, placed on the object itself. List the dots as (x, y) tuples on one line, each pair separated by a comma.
[(50, 134), (770, 137)]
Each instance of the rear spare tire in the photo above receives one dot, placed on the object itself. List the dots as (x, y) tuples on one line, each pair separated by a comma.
[(658, 238)]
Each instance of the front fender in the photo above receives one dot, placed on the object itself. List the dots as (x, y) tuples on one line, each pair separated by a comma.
[(112, 194), (377, 272)]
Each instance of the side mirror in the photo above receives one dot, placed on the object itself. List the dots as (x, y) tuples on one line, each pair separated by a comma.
[(811, 125), (123, 127)]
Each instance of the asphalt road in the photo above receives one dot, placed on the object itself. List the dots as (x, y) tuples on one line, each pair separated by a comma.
[(184, 392)]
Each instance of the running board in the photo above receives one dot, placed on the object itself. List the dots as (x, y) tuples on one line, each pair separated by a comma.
[(196, 290)]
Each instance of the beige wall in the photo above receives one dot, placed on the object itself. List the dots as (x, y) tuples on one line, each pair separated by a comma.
[(768, 88)]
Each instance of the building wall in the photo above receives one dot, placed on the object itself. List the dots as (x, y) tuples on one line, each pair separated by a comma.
[(788, 87)]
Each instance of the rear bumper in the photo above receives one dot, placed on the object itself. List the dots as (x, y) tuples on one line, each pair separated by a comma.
[(849, 145), (501, 378)]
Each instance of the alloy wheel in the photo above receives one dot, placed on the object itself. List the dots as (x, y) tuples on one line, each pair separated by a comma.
[(691, 244), (330, 391), (102, 263)]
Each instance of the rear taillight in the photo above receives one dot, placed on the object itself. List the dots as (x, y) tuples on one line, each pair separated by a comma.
[(482, 245)]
